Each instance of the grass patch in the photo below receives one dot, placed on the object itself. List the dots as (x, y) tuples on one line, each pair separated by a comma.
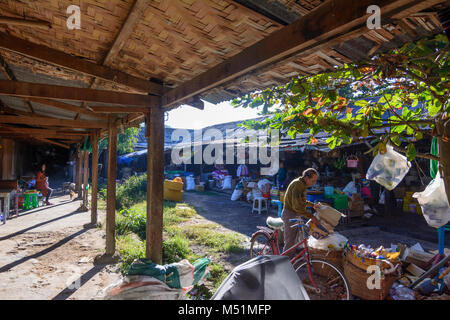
[(208, 235), (130, 247)]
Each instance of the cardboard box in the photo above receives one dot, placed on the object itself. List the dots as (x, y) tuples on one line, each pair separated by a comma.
[(356, 205), (199, 188)]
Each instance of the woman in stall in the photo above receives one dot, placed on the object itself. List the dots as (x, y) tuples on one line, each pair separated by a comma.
[(42, 184)]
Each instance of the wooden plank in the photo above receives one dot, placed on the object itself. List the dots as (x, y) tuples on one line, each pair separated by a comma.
[(134, 17), (114, 109), (37, 90), (52, 142), (111, 189), (318, 26), (42, 121), (68, 107), (78, 64), (58, 132), (155, 181), (45, 136), (24, 22), (94, 172)]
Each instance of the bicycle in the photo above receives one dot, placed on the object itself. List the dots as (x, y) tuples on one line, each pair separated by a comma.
[(321, 279)]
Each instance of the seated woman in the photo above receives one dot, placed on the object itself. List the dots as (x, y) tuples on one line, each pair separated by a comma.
[(42, 184)]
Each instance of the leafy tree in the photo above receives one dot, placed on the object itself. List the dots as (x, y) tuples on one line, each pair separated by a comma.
[(125, 141), (402, 96)]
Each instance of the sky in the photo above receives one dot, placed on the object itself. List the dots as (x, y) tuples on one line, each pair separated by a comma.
[(192, 118)]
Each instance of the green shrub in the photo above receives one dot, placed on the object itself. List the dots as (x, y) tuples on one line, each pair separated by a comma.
[(131, 191), (131, 220)]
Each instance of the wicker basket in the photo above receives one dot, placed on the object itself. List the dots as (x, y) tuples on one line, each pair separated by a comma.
[(357, 280), (364, 263), (334, 257)]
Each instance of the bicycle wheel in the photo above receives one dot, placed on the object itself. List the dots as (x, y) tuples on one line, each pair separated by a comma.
[(330, 281), (261, 244)]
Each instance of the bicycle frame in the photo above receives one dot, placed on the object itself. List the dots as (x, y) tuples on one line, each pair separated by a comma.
[(304, 252)]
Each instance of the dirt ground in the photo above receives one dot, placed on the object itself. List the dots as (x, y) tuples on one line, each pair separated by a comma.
[(379, 230), (47, 254)]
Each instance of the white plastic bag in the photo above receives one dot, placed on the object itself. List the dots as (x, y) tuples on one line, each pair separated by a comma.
[(227, 183), (237, 193), (335, 241), (434, 203), (190, 183), (388, 169)]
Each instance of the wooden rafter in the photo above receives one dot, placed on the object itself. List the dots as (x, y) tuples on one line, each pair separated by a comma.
[(37, 90), (10, 75), (304, 36), (24, 22), (68, 107), (42, 121), (84, 66)]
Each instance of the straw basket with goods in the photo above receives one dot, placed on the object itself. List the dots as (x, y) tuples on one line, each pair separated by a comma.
[(335, 257), (356, 270)]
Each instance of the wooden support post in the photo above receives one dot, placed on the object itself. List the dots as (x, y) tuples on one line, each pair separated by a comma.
[(155, 181), (111, 189), (94, 177), (78, 177), (84, 206)]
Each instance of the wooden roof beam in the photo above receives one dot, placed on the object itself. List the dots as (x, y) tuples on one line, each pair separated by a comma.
[(10, 75), (327, 22), (77, 64), (42, 121), (68, 107), (37, 90)]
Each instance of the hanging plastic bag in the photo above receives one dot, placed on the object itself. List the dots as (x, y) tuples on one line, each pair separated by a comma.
[(388, 169), (434, 203)]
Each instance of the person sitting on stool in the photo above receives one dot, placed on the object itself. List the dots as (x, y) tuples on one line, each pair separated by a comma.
[(42, 184)]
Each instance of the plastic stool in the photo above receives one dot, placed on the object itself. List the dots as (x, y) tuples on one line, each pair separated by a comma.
[(280, 206), (259, 208), (31, 200)]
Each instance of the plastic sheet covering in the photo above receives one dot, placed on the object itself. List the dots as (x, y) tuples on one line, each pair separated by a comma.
[(262, 278), (140, 288)]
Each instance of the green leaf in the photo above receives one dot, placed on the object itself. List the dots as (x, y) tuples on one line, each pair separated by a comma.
[(411, 152), (361, 103), (434, 107), (398, 129), (419, 135)]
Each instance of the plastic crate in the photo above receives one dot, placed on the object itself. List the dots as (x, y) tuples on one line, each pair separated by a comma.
[(340, 201), (173, 195), (173, 185)]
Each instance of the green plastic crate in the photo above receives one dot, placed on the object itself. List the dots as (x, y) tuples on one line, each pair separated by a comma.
[(340, 201)]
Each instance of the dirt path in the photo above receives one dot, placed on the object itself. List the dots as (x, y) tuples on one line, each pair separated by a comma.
[(46, 253), (237, 216)]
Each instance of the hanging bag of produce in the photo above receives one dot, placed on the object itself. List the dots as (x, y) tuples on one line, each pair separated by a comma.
[(389, 168), (352, 161), (434, 203)]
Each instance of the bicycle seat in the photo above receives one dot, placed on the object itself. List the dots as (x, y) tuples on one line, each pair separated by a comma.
[(275, 223)]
